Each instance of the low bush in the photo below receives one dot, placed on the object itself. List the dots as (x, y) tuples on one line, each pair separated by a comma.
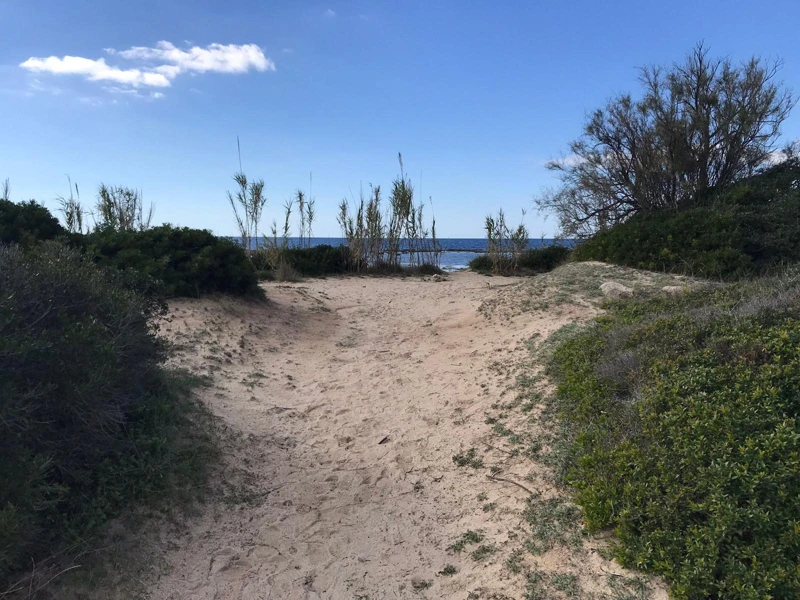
[(685, 427), (750, 228), (90, 420), (534, 260), (546, 258), (318, 260), (188, 262), (698, 241)]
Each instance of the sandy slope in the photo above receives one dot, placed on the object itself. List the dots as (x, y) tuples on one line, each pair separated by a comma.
[(349, 398)]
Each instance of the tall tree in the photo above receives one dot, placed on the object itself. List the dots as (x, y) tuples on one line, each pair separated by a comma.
[(699, 124)]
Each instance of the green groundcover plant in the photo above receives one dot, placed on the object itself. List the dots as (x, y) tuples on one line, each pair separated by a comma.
[(684, 417)]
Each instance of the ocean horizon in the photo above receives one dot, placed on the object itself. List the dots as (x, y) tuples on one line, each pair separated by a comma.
[(456, 252)]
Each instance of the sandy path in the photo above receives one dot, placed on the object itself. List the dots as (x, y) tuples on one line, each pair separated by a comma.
[(349, 398)]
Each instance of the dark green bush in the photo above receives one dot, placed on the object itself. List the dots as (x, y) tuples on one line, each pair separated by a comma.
[(188, 262), (685, 421), (27, 223), (698, 241), (546, 258), (535, 260), (752, 227), (481, 264), (318, 260), (90, 421)]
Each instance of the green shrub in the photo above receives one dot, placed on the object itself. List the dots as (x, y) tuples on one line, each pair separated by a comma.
[(481, 264), (685, 422), (188, 262), (546, 258), (27, 223), (90, 421), (752, 227), (318, 260), (698, 241), (534, 260)]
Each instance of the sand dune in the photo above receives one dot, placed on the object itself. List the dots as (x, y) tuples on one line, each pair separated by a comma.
[(346, 399)]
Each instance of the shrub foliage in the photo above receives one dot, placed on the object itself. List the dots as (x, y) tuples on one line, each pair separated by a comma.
[(27, 223), (188, 262), (534, 260), (89, 419), (752, 227), (685, 423)]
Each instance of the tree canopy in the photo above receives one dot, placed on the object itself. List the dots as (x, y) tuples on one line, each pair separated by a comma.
[(699, 124)]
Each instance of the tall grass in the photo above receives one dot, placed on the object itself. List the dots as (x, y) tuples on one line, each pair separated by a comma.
[(505, 245), (378, 239), (72, 210), (122, 208), (248, 203)]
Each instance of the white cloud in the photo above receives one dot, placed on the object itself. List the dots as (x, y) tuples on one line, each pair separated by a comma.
[(94, 70), (158, 66), (330, 13), (214, 58), (288, 50)]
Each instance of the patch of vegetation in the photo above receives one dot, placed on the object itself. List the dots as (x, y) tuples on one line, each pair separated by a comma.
[(377, 239), (483, 552), (529, 262), (312, 261), (179, 261), (542, 586), (749, 228), (448, 571), (27, 223), (188, 262), (536, 586), (552, 521), (567, 584), (91, 422), (470, 537), (514, 562), (468, 459), (685, 435)]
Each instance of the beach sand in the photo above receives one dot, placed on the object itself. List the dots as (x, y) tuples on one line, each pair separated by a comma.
[(342, 402)]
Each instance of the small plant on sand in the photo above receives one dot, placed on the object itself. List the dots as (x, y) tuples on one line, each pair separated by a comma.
[(482, 552), (514, 562), (553, 521), (566, 583), (468, 459), (448, 571), (470, 537)]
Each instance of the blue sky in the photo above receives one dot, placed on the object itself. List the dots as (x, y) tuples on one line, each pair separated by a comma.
[(476, 95)]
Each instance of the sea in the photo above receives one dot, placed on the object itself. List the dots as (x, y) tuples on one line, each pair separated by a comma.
[(456, 252)]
